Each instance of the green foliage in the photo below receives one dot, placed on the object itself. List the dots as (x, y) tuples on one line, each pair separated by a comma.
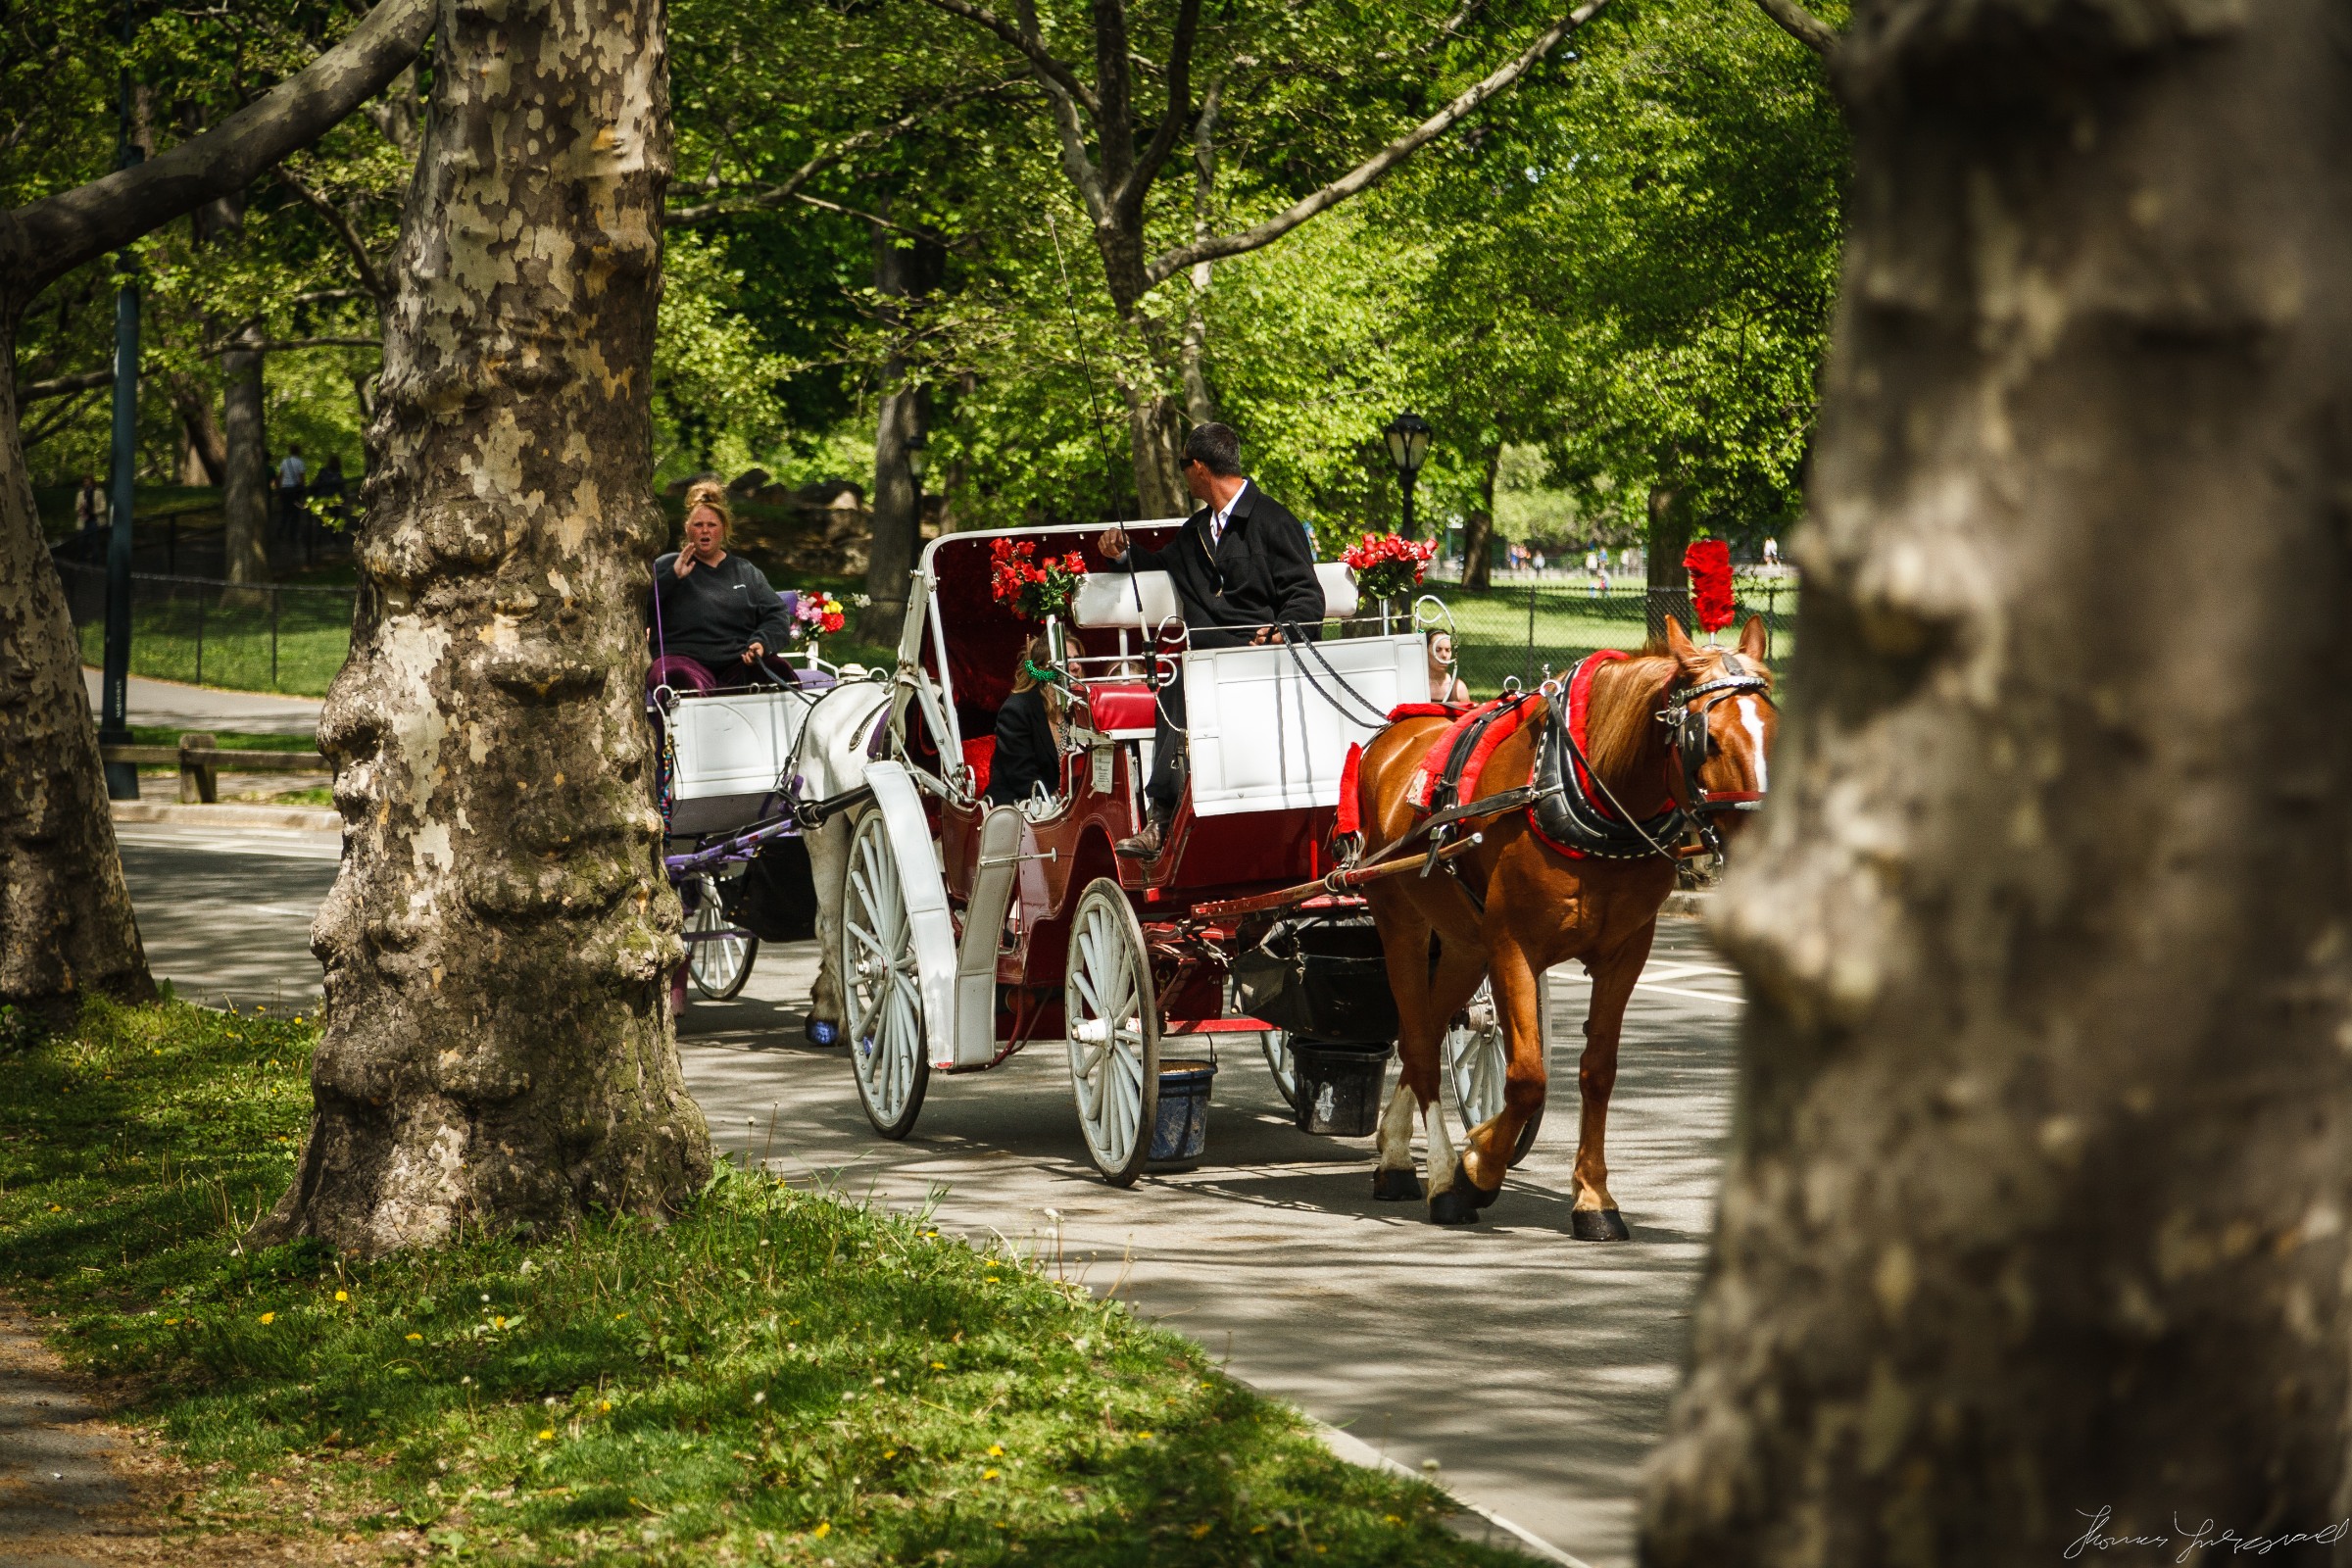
[(777, 1376)]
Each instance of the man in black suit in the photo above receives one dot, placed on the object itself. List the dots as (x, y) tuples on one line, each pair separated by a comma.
[(1242, 570)]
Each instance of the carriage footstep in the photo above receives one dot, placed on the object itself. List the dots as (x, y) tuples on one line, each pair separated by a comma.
[(1393, 1186), (1599, 1225)]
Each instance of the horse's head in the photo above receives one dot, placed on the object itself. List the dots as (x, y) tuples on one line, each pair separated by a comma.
[(1722, 716)]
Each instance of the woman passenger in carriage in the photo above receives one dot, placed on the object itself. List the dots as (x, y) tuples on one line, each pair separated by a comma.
[(715, 608), (1029, 731)]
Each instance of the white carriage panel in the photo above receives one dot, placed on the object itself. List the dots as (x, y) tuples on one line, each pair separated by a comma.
[(730, 749), (1107, 600), (1266, 738)]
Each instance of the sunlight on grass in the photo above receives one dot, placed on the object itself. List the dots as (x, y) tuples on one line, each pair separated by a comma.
[(775, 1378)]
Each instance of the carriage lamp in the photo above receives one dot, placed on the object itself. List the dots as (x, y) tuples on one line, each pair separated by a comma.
[(919, 461), (1407, 436)]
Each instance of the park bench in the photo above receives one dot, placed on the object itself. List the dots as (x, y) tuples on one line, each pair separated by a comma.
[(200, 758)]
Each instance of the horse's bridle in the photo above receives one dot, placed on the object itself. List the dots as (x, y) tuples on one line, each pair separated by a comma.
[(1685, 718)]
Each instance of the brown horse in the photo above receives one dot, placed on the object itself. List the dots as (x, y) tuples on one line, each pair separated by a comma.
[(1518, 906)]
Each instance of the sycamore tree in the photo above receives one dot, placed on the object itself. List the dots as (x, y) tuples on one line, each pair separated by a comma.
[(2032, 1244), (65, 927)]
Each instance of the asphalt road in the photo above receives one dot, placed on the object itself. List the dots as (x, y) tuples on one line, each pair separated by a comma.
[(1536, 1370)]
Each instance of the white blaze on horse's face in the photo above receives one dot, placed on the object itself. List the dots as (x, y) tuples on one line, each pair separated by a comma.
[(1751, 719)]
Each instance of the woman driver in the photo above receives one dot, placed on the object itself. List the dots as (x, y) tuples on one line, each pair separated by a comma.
[(715, 607)]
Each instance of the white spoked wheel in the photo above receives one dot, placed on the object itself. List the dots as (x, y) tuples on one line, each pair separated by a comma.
[(1114, 1033), (1476, 1060), (881, 998), (1276, 1043), (720, 959)]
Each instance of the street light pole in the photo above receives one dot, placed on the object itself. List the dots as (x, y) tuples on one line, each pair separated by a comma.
[(1407, 436), (114, 727)]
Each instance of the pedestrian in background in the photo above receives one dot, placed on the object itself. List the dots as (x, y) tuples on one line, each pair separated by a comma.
[(328, 491), (91, 513), (290, 490)]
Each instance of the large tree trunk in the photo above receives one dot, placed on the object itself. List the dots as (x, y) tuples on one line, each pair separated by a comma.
[(2036, 1218), (65, 925), (1663, 549), (1478, 534), (245, 494), (1155, 442), (498, 1048), (901, 271), (204, 449)]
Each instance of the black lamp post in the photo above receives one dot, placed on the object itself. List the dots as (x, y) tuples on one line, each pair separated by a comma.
[(919, 464), (1409, 448)]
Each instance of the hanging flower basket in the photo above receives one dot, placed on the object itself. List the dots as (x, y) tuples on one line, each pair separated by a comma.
[(1029, 587), (1387, 565)]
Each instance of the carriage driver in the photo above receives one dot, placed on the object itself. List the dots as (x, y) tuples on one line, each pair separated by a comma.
[(715, 608), (1241, 568)]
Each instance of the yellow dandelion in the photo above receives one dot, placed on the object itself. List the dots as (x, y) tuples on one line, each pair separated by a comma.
[(988, 1475), (1392, 1518), (342, 1296), (889, 1453), (939, 1367), (498, 1322), (1143, 1435), (604, 1404), (170, 1322), (1202, 1528), (416, 1339), (546, 1434), (268, 1317), (825, 1528), (996, 1450)]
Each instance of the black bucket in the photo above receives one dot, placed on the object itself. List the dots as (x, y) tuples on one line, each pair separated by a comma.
[(1339, 1084), (1180, 1134), (1324, 978)]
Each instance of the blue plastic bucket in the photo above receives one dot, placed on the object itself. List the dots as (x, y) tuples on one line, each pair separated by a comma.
[(1180, 1133)]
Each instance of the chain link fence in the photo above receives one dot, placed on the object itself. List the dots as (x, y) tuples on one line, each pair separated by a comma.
[(259, 637), (1525, 629)]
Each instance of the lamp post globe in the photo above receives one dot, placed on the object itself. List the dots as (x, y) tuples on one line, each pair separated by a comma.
[(1407, 436), (918, 461)]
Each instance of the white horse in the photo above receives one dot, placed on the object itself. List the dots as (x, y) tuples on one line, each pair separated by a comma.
[(836, 742)]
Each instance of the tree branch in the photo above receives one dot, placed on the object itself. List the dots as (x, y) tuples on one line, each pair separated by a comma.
[(1115, 129), (1801, 25), (1068, 128), (66, 385), (42, 242), (371, 278), (1180, 108), (1368, 172), (789, 188), (1029, 48)]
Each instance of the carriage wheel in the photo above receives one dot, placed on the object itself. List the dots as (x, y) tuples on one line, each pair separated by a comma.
[(719, 964), (1476, 1059), (1114, 1033), (1276, 1043), (884, 1005)]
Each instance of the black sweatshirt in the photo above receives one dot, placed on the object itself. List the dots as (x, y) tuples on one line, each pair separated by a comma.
[(1025, 754), (713, 613)]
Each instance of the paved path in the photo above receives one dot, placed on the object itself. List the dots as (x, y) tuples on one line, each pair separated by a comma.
[(168, 704), (1535, 1369)]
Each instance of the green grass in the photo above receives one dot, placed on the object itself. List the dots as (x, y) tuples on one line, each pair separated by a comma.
[(312, 638), (776, 1377)]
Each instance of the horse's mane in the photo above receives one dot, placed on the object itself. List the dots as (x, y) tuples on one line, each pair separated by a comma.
[(1622, 736)]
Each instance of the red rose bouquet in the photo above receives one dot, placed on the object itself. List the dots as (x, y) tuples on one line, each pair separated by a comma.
[(1030, 587), (1385, 564)]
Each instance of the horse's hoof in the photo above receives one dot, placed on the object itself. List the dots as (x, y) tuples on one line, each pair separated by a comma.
[(820, 1032), (1599, 1225), (1456, 1205), (1395, 1185), (1477, 1195)]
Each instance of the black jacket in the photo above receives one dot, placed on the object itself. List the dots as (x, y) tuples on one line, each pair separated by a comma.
[(1025, 754), (1260, 574), (713, 612)]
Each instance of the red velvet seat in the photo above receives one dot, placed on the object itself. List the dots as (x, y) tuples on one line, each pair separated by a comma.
[(1121, 706), (979, 753)]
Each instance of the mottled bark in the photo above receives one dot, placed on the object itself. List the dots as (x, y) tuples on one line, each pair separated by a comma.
[(902, 270), (245, 489), (1155, 443), (2037, 1200), (65, 925), (497, 1046)]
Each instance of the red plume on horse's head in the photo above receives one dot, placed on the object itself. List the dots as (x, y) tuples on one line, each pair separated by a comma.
[(1709, 562)]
